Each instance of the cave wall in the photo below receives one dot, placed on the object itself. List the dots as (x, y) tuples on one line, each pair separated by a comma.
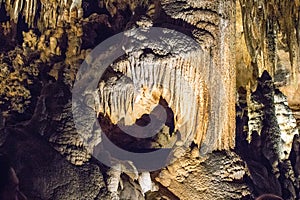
[(268, 100), (269, 35), (248, 93)]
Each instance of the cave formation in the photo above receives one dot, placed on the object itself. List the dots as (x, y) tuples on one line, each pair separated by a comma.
[(218, 79)]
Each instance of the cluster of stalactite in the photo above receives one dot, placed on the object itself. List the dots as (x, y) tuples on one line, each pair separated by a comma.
[(271, 27)]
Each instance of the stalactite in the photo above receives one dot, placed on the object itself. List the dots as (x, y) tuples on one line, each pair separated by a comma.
[(17, 8), (49, 14), (75, 4), (270, 30), (120, 99)]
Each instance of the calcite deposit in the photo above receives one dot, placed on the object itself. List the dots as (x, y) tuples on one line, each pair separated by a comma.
[(221, 81)]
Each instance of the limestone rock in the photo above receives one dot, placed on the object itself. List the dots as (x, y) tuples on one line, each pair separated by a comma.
[(199, 175), (17, 77), (43, 44)]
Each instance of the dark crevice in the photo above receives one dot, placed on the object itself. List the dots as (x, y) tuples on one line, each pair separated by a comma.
[(90, 7), (22, 26), (131, 143), (190, 9), (207, 23), (4, 17)]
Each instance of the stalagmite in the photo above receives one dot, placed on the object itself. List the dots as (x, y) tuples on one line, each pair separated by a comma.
[(114, 178), (145, 182), (287, 124)]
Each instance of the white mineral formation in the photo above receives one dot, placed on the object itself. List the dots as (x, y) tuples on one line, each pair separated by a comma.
[(177, 80), (166, 65), (145, 182), (27, 8), (287, 124)]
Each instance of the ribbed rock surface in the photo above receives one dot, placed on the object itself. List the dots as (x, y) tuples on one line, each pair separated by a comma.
[(181, 82), (269, 39), (212, 22)]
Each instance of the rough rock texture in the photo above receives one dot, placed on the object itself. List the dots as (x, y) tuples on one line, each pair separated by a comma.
[(267, 112), (215, 176), (44, 173), (43, 44)]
